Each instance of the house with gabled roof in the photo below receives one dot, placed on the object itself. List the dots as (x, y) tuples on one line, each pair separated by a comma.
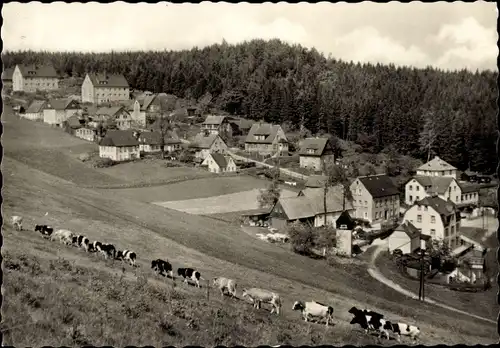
[(119, 114), (437, 218), (315, 152), (99, 88), (203, 145), (266, 139), (407, 238), (219, 163), (30, 78), (308, 207), (119, 145), (150, 142), (57, 111), (145, 108), (376, 198), (34, 112), (215, 124), (7, 77), (437, 167)]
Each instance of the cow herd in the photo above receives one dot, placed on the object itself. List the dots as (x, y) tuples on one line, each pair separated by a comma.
[(369, 320)]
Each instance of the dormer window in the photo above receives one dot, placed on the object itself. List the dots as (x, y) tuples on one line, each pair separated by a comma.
[(310, 151)]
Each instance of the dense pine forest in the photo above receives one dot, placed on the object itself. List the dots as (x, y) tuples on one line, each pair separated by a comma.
[(453, 113)]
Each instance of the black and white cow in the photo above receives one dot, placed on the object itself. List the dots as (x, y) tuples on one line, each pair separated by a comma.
[(127, 255), (162, 267), (95, 246), (189, 273), (367, 319), (108, 250), (314, 309), (45, 230), (401, 329)]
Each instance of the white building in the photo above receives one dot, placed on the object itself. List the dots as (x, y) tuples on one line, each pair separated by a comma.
[(35, 111), (119, 146), (57, 111), (437, 167), (407, 238), (219, 163)]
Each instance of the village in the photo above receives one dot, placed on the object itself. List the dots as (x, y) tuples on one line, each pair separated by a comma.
[(436, 208)]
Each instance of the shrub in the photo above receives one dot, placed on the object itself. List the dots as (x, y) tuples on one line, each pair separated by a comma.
[(103, 163), (301, 238)]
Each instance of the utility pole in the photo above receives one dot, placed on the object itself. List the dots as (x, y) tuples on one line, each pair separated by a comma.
[(421, 295)]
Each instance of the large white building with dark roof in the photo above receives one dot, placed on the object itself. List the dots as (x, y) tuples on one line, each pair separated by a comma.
[(30, 78), (103, 87)]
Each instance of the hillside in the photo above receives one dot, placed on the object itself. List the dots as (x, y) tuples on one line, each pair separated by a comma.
[(374, 105)]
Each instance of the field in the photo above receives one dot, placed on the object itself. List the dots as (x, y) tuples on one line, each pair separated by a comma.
[(47, 286)]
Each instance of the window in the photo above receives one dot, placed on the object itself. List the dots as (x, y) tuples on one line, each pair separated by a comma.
[(433, 219), (417, 198), (417, 188), (419, 208), (419, 218), (456, 198), (376, 215), (411, 198), (433, 232), (366, 203), (411, 187), (366, 214), (419, 230), (454, 188)]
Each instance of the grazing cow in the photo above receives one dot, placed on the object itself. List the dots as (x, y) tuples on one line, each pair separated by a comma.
[(314, 309), (189, 273), (95, 246), (64, 236), (257, 296), (402, 329), (17, 222), (225, 284), (127, 255), (108, 250), (162, 267), (45, 230), (367, 319)]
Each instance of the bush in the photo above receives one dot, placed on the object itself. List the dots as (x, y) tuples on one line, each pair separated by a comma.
[(104, 163)]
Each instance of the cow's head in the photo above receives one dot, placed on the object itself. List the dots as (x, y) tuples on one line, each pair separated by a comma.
[(298, 306), (353, 310), (153, 263), (214, 281), (38, 228), (244, 293)]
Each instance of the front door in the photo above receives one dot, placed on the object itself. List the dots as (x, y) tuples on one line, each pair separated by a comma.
[(385, 215)]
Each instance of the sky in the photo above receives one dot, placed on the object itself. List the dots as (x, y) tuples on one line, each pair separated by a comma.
[(449, 36)]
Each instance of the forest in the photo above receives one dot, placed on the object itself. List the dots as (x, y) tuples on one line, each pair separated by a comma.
[(420, 112)]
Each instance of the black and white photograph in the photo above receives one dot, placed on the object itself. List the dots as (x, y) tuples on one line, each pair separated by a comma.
[(245, 174)]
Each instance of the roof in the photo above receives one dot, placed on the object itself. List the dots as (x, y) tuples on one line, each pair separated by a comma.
[(475, 234), (443, 207), (316, 181), (297, 207), (204, 142), (379, 185), (61, 104), (436, 164), (260, 211), (108, 80), (35, 107), (334, 199), (408, 228), (37, 71), (74, 122), (7, 74), (108, 110), (212, 119), (316, 144), (242, 123), (468, 188), (268, 130), (119, 138), (437, 184), (150, 138), (220, 159)]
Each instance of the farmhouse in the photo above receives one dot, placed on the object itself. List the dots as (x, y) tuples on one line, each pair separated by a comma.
[(32, 78), (203, 145), (266, 139), (437, 167), (119, 145), (117, 113), (7, 77), (308, 207), (314, 152), (216, 125), (150, 142), (376, 198), (407, 238), (437, 218), (219, 163), (57, 111), (86, 133), (35, 111), (145, 108), (103, 87)]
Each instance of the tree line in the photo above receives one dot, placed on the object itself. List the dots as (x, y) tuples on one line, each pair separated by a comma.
[(420, 112)]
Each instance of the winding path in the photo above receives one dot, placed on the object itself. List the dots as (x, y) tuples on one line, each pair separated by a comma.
[(377, 275)]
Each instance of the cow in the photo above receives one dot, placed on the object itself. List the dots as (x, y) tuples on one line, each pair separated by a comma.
[(257, 296), (17, 222), (225, 284), (189, 273), (367, 319), (45, 230), (314, 309), (95, 246), (127, 255), (401, 329), (162, 267), (64, 236), (108, 250)]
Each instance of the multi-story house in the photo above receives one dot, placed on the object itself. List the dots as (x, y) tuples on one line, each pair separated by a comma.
[(315, 152), (376, 198), (145, 108), (216, 125), (32, 78), (118, 114), (437, 218), (266, 139), (203, 145), (56, 111), (119, 145), (437, 167), (102, 88)]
